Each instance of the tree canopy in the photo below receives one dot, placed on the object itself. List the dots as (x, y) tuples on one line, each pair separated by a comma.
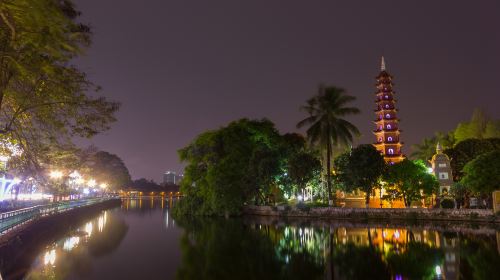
[(109, 169), (467, 150), (406, 180), (482, 174), (44, 100), (229, 167), (327, 127), (361, 168)]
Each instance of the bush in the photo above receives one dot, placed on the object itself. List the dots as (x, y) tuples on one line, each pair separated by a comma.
[(448, 203)]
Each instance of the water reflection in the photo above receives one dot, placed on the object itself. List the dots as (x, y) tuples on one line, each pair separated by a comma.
[(73, 253), (141, 240), (252, 250)]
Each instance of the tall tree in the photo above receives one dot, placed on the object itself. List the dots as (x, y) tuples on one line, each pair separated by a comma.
[(408, 179), (229, 167), (427, 148), (361, 168), (108, 168), (303, 167), (482, 174), (480, 126), (467, 150), (327, 127), (43, 98)]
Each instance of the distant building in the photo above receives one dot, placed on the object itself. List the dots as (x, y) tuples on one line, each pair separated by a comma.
[(169, 177), (442, 169), (179, 178)]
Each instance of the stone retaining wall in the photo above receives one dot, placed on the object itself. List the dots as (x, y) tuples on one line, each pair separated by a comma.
[(471, 215)]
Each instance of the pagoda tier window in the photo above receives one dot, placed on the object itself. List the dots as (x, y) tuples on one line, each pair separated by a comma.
[(380, 139), (390, 151), (387, 106), (389, 126), (380, 117), (389, 139), (386, 96), (388, 116)]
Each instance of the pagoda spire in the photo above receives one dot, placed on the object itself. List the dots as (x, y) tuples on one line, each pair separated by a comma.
[(387, 133), (439, 149)]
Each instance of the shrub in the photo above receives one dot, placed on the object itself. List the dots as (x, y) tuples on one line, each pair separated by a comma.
[(447, 203)]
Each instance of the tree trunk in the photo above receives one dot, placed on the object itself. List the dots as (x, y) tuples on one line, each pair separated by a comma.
[(328, 170)]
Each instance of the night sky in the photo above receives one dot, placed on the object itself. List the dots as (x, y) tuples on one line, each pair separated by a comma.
[(182, 67)]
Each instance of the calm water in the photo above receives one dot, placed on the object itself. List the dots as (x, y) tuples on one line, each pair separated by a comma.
[(140, 240)]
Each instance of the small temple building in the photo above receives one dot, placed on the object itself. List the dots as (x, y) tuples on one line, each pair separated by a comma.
[(387, 131), (441, 167)]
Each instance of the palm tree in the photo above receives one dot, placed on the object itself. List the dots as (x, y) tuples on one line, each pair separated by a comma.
[(327, 128)]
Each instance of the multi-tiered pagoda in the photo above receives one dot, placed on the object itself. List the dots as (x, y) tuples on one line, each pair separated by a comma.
[(387, 131)]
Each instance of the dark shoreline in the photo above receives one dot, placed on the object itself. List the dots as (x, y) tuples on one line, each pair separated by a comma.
[(15, 246), (432, 219)]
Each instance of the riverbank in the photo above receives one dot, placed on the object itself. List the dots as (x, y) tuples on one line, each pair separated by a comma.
[(16, 245), (376, 214)]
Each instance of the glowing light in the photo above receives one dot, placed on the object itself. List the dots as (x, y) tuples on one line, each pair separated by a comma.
[(438, 270), (104, 185), (397, 234), (88, 228), (75, 174), (86, 191), (299, 198), (56, 174), (50, 257), (71, 243), (91, 183), (429, 170)]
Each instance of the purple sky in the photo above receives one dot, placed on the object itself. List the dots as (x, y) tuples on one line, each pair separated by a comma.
[(182, 67)]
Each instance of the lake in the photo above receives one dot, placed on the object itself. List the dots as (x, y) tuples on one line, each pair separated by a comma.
[(141, 240)]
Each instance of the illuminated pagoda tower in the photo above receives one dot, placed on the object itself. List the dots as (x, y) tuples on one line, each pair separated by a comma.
[(387, 131)]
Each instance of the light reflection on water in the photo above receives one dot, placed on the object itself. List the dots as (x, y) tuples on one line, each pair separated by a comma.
[(141, 240)]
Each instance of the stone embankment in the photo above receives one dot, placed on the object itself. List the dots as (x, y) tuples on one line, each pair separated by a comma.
[(385, 214)]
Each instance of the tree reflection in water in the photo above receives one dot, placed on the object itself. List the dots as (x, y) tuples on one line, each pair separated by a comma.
[(235, 249), (97, 237)]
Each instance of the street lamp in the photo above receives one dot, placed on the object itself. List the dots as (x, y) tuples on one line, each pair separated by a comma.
[(91, 183), (56, 174)]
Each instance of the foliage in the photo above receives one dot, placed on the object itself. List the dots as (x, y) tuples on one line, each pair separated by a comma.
[(467, 150), (144, 185), (406, 180), (447, 203), (229, 167), (425, 150), (108, 168), (361, 168), (482, 174), (460, 193), (303, 167), (480, 126), (327, 127), (43, 100)]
